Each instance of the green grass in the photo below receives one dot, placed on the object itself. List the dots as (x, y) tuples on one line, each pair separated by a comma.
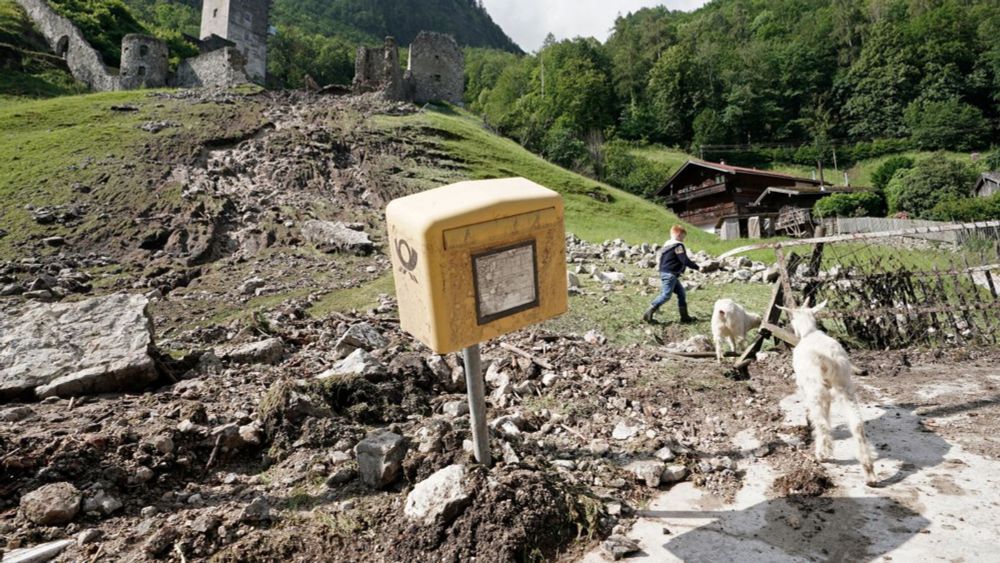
[(31, 70), (360, 298), (659, 154), (618, 314), (48, 146)]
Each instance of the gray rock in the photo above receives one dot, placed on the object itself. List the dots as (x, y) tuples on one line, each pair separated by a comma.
[(618, 546), (360, 335), (43, 295), (337, 237), (572, 281), (251, 285), (89, 536), (742, 275), (440, 368), (163, 444), (440, 497), (257, 511), (264, 352), (594, 337), (697, 343), (16, 414), (647, 471), (455, 408), (11, 289), (101, 502), (380, 458), (664, 454), (710, 266), (51, 505), (623, 431), (67, 349), (673, 473), (359, 363), (610, 277)]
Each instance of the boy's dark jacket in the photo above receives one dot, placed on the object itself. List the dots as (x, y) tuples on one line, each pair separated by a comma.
[(674, 259)]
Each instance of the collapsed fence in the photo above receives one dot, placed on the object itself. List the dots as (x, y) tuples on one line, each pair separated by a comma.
[(923, 286)]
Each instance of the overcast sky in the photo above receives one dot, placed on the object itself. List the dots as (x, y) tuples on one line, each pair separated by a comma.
[(527, 22)]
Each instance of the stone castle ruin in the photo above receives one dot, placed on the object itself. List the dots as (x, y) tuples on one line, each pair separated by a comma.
[(233, 47), (435, 70)]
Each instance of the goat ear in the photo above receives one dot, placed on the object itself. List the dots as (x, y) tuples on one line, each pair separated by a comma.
[(785, 309), (820, 307)]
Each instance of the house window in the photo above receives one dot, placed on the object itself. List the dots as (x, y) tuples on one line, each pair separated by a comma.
[(215, 13), (142, 71), (437, 78), (143, 50)]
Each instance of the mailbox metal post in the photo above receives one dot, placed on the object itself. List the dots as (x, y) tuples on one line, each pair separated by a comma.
[(477, 404)]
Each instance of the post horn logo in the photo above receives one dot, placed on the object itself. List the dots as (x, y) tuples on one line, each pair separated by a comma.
[(409, 261)]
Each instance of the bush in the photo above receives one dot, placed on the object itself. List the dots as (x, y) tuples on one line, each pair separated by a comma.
[(633, 174), (930, 182), (858, 204), (968, 209), (886, 170)]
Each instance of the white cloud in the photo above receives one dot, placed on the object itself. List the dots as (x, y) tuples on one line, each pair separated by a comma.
[(527, 22)]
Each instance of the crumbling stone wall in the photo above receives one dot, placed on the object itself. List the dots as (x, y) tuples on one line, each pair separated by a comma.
[(436, 70), (222, 67), (145, 62), (66, 41), (437, 67), (378, 70)]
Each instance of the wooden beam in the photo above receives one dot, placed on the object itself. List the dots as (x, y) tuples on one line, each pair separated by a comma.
[(863, 236), (780, 333)]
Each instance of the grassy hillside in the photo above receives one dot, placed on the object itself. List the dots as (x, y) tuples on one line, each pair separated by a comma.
[(594, 211), (27, 68), (77, 151)]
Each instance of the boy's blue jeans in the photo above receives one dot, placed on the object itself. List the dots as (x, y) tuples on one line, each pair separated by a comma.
[(671, 284)]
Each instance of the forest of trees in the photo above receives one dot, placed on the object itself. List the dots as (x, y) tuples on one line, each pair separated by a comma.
[(793, 78)]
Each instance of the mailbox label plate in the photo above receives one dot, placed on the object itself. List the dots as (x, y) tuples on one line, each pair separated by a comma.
[(506, 281)]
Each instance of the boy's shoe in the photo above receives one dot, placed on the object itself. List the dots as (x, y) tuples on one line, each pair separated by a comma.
[(685, 317), (648, 315)]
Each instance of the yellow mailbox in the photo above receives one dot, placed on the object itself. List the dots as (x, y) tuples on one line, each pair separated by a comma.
[(477, 259)]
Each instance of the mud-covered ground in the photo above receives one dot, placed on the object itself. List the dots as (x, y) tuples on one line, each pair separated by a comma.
[(232, 457)]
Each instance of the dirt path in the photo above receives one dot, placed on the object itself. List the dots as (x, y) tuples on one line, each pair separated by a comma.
[(936, 501)]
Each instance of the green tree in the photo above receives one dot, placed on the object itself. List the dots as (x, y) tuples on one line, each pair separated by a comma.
[(930, 182), (949, 124), (886, 170), (858, 204)]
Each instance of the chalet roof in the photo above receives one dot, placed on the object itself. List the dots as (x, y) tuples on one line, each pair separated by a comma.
[(806, 191), (730, 169), (993, 177)]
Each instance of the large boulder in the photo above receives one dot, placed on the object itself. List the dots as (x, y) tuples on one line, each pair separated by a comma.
[(331, 236), (263, 352), (51, 505), (442, 495), (380, 458), (65, 349)]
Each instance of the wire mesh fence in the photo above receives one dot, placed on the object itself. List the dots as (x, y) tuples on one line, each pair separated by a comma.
[(894, 290)]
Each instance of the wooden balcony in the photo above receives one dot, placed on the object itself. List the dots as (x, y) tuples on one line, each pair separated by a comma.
[(695, 192)]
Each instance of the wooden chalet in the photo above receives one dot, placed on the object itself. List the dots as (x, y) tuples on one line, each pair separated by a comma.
[(718, 197)]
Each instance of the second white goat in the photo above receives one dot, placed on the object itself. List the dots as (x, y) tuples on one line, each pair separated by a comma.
[(731, 322)]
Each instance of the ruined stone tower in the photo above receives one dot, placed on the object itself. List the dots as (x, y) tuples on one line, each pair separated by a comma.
[(245, 24), (145, 62)]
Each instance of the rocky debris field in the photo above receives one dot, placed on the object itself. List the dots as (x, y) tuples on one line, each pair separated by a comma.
[(221, 376)]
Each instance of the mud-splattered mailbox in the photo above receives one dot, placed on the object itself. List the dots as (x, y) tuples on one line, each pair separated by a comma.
[(475, 260)]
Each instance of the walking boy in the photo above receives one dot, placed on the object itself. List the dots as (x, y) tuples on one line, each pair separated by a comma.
[(673, 261)]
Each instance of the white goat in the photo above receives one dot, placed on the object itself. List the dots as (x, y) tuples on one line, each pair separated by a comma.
[(823, 371), (732, 322)]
